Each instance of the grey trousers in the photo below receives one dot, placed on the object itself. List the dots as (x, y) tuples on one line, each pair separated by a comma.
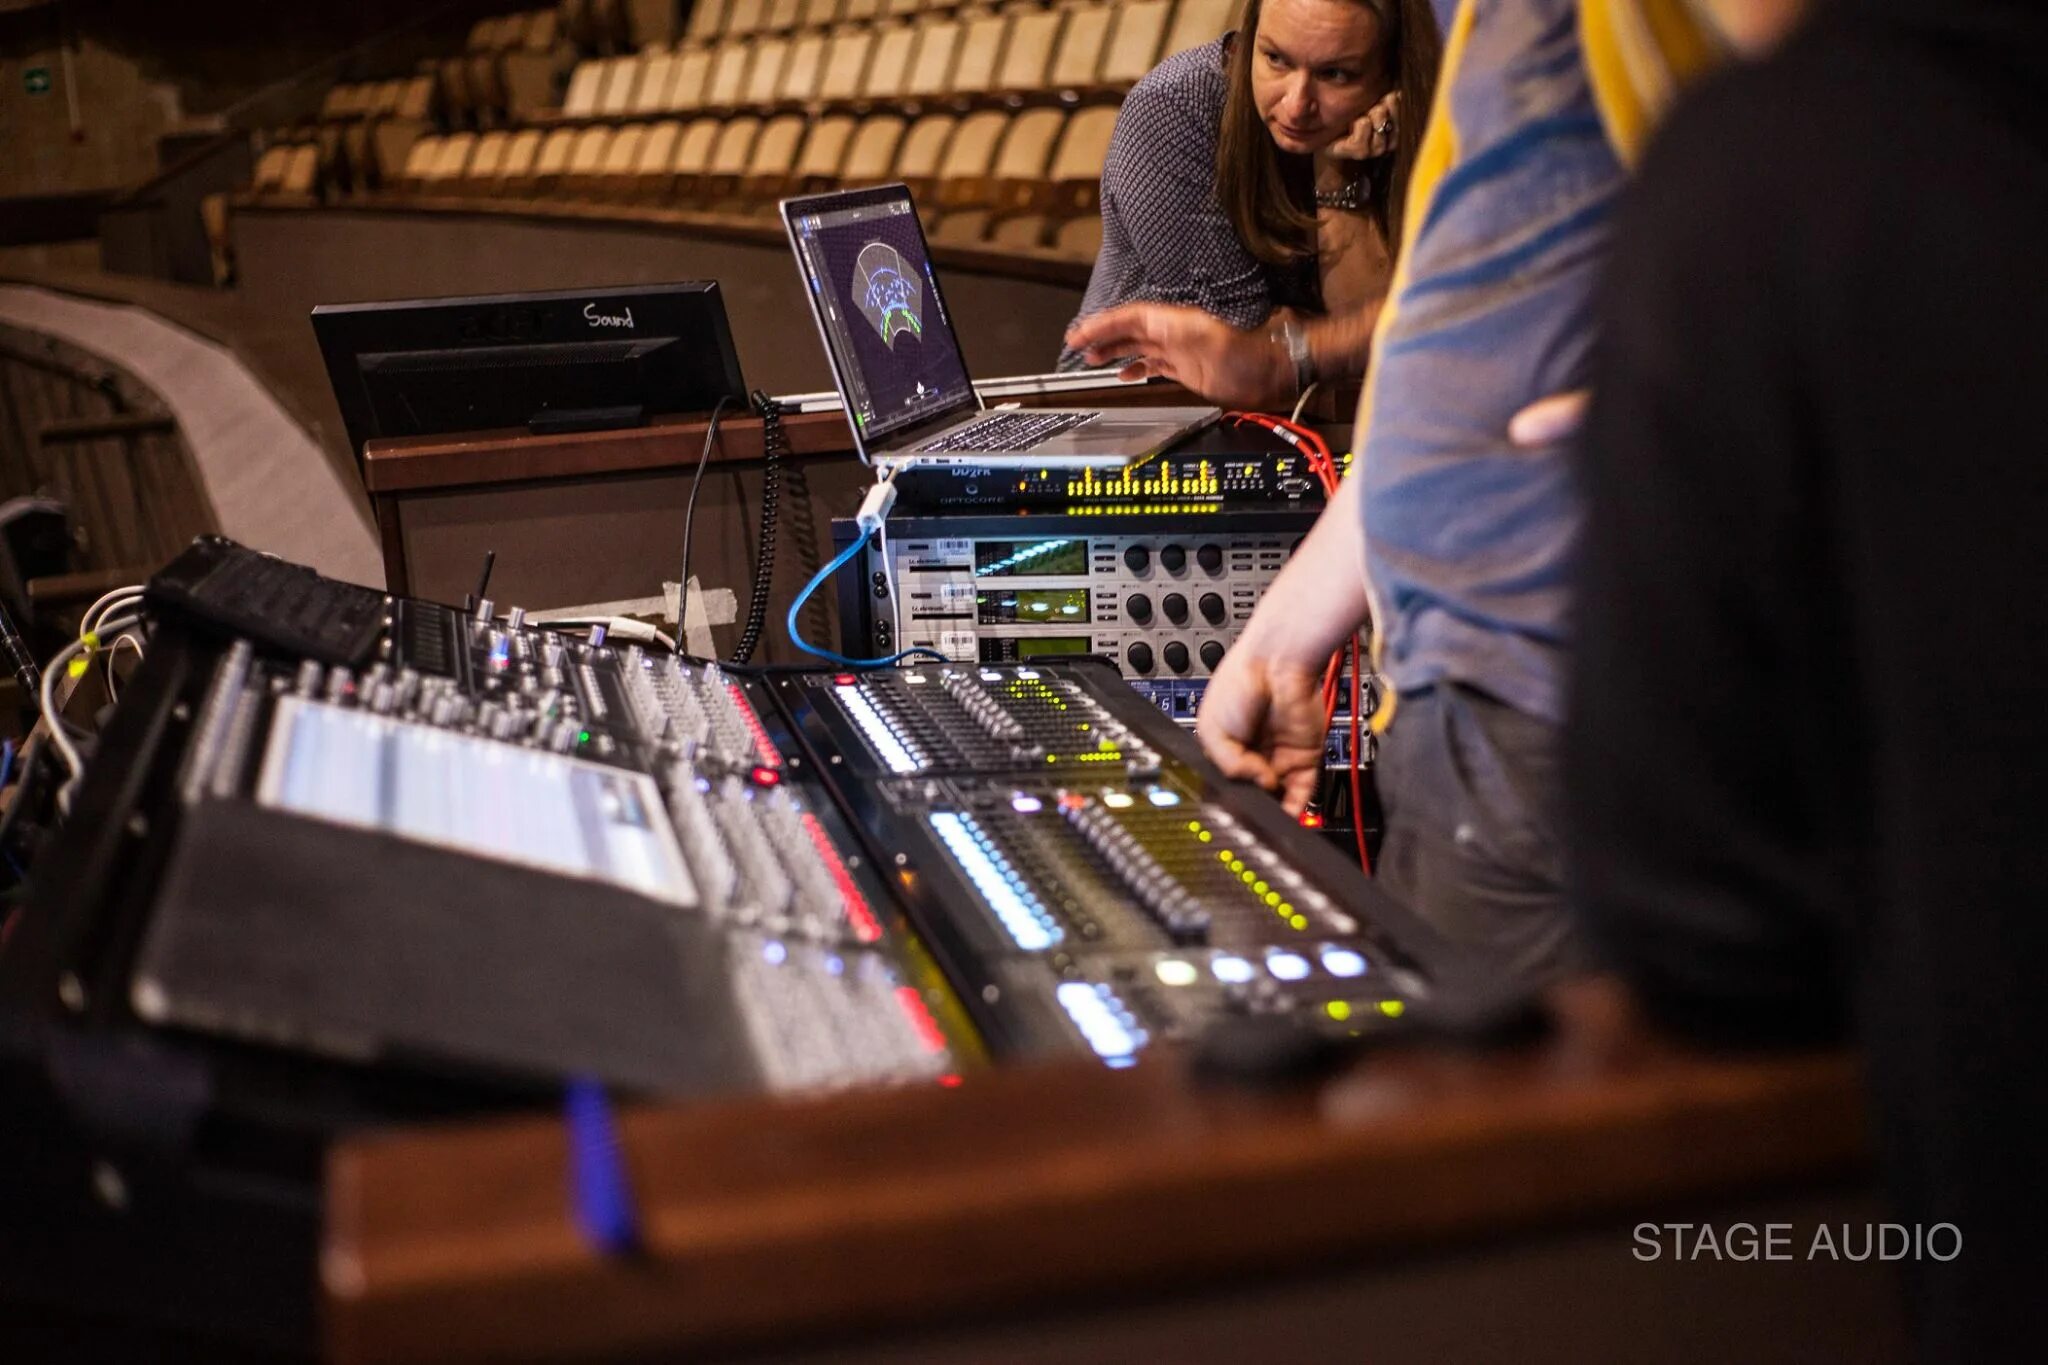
[(1471, 793)]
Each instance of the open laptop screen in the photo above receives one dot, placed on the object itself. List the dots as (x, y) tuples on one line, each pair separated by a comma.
[(892, 344)]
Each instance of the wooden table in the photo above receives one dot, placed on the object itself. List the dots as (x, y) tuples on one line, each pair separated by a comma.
[(775, 1221)]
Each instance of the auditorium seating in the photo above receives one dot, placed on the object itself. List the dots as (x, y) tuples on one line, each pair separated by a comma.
[(997, 112)]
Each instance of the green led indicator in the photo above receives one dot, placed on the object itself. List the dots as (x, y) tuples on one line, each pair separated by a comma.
[(583, 736)]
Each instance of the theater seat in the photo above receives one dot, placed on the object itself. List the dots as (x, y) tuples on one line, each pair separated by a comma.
[(888, 75), (770, 165), (802, 69), (1013, 182), (586, 83), (486, 163), (707, 17), (586, 161), (824, 153), (957, 207), (931, 73), (270, 168), (728, 76), (656, 85), (615, 175), (621, 84), (1034, 211), (690, 85), (1027, 51), (1077, 63), (515, 168), (729, 158), (743, 17), (764, 74), (654, 173), (1197, 22), (981, 54), (1134, 41), (693, 155), (871, 159), (551, 163), (846, 63), (419, 163), (922, 153)]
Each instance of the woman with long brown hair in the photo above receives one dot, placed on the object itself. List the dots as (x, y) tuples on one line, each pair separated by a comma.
[(1259, 177)]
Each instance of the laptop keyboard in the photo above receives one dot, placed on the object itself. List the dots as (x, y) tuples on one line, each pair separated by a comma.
[(1008, 431)]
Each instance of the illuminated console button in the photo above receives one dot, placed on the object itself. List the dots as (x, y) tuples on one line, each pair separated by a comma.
[(1343, 962), (1233, 971), (1287, 966), (1025, 804), (1174, 972), (1163, 796)]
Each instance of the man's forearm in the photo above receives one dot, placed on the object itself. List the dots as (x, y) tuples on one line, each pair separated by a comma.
[(1319, 599)]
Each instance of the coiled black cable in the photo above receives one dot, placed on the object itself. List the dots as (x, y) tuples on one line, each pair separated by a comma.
[(774, 445)]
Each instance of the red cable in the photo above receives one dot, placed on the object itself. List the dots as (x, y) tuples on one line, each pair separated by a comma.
[(1357, 800)]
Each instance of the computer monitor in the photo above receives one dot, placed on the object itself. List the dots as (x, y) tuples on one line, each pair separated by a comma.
[(563, 360)]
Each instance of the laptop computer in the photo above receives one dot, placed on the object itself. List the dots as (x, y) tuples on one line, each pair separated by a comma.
[(909, 398)]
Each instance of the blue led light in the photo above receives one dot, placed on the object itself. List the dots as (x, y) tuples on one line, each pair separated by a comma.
[(1287, 966), (774, 953), (1112, 1031), (888, 747), (1163, 796), (1233, 971), (1030, 926), (1343, 962)]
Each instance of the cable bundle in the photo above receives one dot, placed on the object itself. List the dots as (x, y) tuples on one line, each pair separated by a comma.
[(774, 445)]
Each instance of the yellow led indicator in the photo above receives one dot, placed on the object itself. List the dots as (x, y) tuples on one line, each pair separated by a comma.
[(1194, 826), (1272, 897), (1261, 887), (1223, 855), (1205, 836), (1393, 1009), (1299, 921), (1249, 876), (1337, 1009)]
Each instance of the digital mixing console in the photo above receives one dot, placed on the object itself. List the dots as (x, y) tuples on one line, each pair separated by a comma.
[(504, 847)]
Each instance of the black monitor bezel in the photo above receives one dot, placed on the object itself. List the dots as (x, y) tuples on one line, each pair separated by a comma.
[(691, 310)]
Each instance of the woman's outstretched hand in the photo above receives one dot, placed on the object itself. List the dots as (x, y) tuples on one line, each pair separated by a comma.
[(1194, 349)]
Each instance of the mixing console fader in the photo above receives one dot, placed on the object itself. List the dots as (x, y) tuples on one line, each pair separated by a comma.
[(1069, 854)]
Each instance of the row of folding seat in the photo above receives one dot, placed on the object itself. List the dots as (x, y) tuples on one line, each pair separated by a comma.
[(1003, 56), (714, 19), (1027, 178)]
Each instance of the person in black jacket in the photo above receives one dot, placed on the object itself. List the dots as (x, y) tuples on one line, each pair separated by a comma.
[(1805, 763)]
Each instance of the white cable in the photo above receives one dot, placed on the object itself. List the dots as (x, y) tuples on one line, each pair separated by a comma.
[(1302, 401), (53, 721), (107, 602)]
